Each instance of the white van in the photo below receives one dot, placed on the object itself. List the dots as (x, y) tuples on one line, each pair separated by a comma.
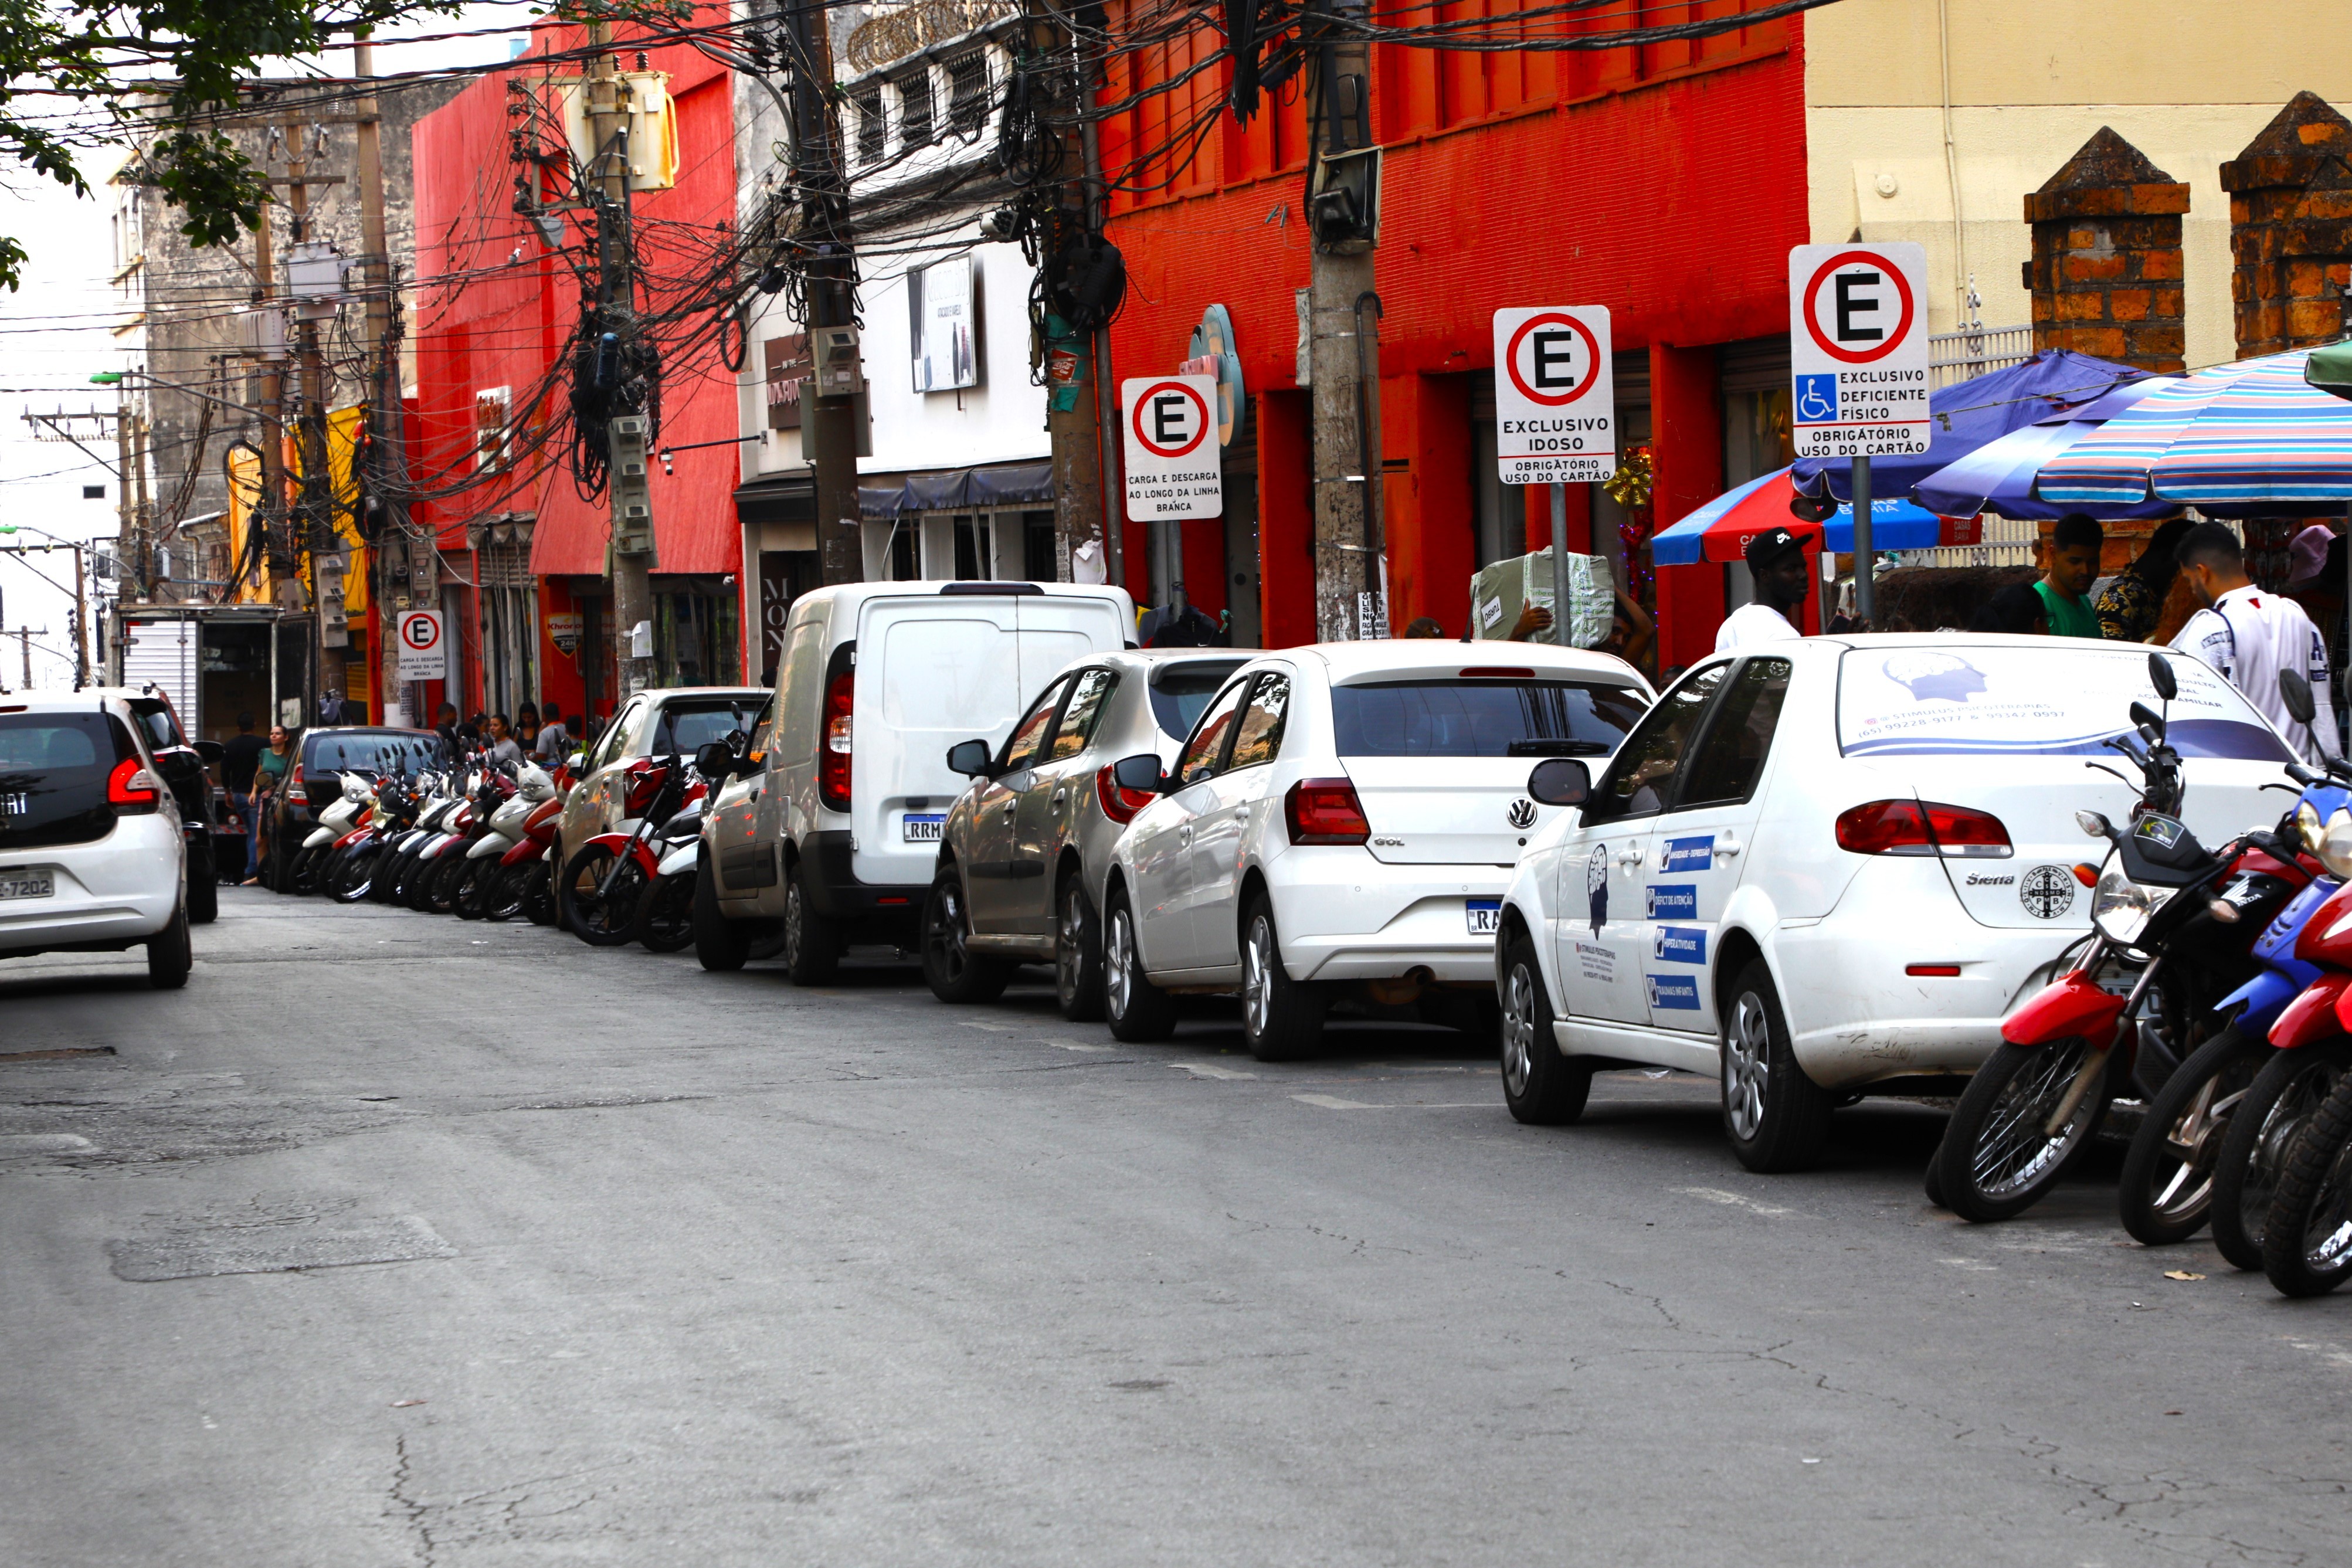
[(833, 826)]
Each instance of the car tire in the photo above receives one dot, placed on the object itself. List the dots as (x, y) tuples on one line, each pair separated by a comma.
[(1282, 1018), (169, 953), (1078, 954), (812, 941), (1777, 1119), (954, 973), (720, 945), (1541, 1088), (203, 885), (2166, 1193), (2292, 1086), (1137, 1011)]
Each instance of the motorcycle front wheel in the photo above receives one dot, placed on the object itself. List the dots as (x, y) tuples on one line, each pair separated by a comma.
[(539, 894), (305, 880), (665, 915), (465, 894), (502, 893), (1999, 1157), (2167, 1192), (2289, 1089), (603, 915), (2308, 1236), (355, 874)]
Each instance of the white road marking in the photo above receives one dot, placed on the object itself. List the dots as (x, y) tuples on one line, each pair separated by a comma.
[(991, 1029), (1076, 1046), (1731, 1200), (43, 1143), (1972, 1266), (1211, 1069), (1333, 1102)]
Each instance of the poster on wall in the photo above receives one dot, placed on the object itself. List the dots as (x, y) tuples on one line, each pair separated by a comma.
[(943, 324), (787, 367)]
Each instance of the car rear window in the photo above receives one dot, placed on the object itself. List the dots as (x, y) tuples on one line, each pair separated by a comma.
[(1482, 718), (398, 756), (685, 727), (1180, 693), (53, 771), (2050, 702)]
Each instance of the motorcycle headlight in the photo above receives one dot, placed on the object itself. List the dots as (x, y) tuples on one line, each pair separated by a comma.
[(2121, 908), (2307, 823), (2335, 845)]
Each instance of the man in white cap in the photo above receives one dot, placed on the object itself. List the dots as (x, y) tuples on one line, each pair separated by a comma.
[(1776, 564)]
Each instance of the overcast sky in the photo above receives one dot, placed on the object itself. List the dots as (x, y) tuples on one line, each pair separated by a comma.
[(55, 335)]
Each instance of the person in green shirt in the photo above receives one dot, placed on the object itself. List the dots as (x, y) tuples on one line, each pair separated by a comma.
[(2074, 566)]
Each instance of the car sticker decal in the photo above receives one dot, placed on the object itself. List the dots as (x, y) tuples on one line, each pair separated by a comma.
[(1596, 962), (1596, 886), (2047, 892), (1689, 854), (1673, 901), (1679, 944), (1674, 993)]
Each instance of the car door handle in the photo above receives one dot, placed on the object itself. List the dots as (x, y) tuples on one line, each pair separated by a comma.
[(1060, 795), (1727, 847), (1629, 856), (1241, 814), (1188, 832)]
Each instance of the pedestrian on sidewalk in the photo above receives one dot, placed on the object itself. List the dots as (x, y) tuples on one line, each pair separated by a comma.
[(498, 745), (2016, 609), (526, 727), (445, 724), (239, 758), (2130, 608), (1776, 564), (271, 765), (2074, 566), (554, 743), (2249, 637)]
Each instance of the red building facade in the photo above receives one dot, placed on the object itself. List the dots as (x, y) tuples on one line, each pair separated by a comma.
[(523, 556), (1666, 182)]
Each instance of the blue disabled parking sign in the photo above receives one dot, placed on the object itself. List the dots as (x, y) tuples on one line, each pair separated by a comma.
[(1817, 398)]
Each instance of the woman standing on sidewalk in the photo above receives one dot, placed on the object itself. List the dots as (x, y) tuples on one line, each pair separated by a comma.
[(268, 777)]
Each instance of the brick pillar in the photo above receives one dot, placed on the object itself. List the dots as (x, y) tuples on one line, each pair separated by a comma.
[(2106, 273), (2291, 230)]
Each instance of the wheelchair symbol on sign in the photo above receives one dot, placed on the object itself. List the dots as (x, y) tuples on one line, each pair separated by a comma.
[(1817, 399)]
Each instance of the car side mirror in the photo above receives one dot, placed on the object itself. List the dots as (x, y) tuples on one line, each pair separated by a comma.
[(214, 751), (1142, 772), (2295, 692), (716, 761), (2159, 675), (1560, 781), (970, 758), (576, 763)]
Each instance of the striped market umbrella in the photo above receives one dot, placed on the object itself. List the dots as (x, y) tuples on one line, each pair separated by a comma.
[(1999, 476), (1720, 530), (2251, 439)]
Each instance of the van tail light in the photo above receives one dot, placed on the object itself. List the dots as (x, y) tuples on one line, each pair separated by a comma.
[(1922, 827), (832, 757), (131, 788), (1324, 811), (1118, 803)]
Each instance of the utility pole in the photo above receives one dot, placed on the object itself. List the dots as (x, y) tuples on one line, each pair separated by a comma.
[(269, 511), (388, 537), (1343, 356), (627, 492), (317, 505), (25, 635), (1073, 374), (837, 398)]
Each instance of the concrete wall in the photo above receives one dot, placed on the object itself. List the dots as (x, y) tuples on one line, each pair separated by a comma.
[(2188, 82)]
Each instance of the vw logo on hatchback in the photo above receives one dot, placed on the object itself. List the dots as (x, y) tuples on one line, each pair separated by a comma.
[(1523, 813)]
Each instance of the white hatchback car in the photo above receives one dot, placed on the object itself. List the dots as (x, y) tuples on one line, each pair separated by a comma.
[(1344, 814), (1834, 865), (91, 857)]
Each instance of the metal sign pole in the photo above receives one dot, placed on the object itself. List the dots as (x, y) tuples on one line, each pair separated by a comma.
[(1863, 605), (1558, 564)]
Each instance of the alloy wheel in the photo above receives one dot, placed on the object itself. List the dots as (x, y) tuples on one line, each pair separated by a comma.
[(1258, 959), (1747, 1061), (2195, 1140), (1070, 955), (1117, 956), (1519, 1029), (948, 930)]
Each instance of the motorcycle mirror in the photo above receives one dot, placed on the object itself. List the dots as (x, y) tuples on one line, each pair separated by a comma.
[(2295, 692), (2094, 826), (2159, 675)]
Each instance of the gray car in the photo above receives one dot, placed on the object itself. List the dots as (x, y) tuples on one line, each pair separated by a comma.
[(1024, 850)]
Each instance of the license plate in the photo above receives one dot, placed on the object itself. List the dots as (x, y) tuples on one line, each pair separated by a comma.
[(27, 884), (1485, 916), (925, 829)]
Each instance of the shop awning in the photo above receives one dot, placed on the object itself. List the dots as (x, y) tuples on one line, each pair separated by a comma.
[(789, 497), (958, 489)]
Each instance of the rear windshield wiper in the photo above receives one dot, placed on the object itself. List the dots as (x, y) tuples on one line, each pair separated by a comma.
[(1558, 749)]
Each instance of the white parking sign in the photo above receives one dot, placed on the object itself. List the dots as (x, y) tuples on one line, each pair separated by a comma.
[(422, 656), (1555, 404), (1172, 464), (1858, 349)]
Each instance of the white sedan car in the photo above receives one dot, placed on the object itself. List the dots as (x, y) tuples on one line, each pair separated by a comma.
[(1834, 865), (91, 858), (1344, 815)]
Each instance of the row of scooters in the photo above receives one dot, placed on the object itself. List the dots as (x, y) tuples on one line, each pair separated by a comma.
[(2216, 987), (480, 840)]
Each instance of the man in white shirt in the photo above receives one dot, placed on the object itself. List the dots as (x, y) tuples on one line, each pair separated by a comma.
[(2249, 637), (1776, 564)]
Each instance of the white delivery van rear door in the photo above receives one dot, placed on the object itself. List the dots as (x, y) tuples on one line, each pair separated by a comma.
[(1058, 627), (932, 670)]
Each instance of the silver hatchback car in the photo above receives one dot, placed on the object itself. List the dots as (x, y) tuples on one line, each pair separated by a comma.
[(1024, 850)]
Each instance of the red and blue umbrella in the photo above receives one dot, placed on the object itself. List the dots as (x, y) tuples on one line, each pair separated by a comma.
[(1720, 530), (2250, 438)]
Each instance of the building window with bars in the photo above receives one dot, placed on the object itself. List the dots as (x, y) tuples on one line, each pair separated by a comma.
[(870, 128), (915, 108), (968, 93)]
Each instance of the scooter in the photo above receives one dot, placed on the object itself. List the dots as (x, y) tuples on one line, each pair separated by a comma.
[(495, 892), (607, 877), (364, 853), (665, 922), (335, 824), (2174, 929)]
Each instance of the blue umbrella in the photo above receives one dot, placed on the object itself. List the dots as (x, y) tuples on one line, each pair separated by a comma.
[(1998, 477), (1969, 414), (1720, 530)]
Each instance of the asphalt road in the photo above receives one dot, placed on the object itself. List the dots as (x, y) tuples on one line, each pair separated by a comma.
[(394, 1240)]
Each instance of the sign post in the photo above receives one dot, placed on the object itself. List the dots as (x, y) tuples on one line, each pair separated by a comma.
[(1555, 413), (421, 655), (1858, 355)]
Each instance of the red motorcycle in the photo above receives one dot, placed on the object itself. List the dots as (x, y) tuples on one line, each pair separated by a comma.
[(607, 877)]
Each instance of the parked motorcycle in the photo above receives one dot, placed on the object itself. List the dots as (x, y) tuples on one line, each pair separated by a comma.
[(608, 877), (335, 824), (2307, 1232), (2174, 926), (495, 891), (665, 920), (362, 855)]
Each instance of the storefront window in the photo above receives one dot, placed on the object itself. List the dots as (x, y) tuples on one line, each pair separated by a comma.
[(696, 638)]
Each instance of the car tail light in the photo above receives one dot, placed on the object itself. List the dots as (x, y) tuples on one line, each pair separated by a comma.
[(1921, 827), (833, 758), (131, 788), (295, 785), (1118, 803), (1324, 811)]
